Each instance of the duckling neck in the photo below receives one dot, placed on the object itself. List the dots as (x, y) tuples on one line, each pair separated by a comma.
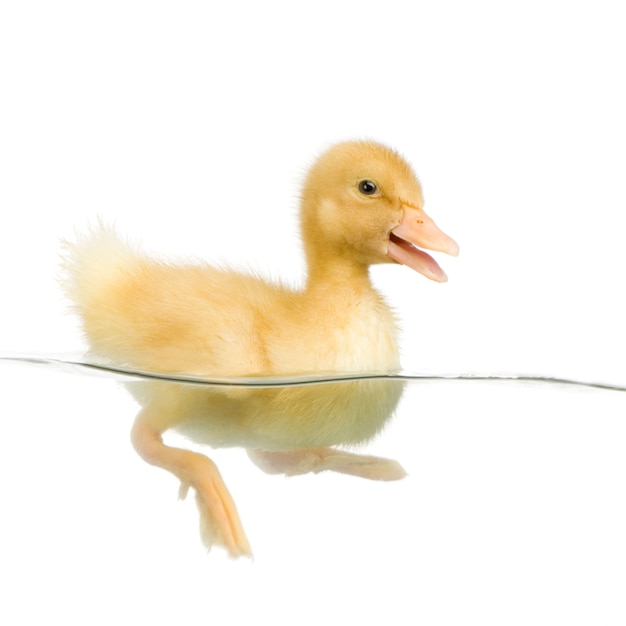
[(335, 274)]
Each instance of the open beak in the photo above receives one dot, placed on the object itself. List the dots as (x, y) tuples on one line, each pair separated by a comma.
[(415, 231)]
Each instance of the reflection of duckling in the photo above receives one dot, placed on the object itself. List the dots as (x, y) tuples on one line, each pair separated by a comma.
[(361, 204)]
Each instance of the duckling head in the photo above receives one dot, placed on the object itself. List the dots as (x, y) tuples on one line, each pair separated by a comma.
[(362, 204)]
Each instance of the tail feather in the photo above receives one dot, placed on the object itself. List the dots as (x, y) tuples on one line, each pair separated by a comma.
[(94, 260), (96, 270)]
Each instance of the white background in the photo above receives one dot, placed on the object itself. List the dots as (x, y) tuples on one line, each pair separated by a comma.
[(189, 125)]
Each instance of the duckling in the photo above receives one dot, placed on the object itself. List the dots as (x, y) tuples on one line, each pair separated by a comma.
[(361, 204)]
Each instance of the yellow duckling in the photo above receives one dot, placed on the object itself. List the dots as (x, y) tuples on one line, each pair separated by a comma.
[(361, 204)]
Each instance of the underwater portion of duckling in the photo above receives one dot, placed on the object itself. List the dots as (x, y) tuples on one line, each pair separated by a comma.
[(361, 204)]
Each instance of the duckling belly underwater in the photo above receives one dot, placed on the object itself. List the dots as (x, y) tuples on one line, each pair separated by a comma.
[(335, 413)]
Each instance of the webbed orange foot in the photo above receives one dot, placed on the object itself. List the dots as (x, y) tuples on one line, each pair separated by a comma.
[(219, 520), (293, 462)]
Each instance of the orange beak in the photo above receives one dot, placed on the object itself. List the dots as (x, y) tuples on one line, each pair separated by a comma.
[(415, 231)]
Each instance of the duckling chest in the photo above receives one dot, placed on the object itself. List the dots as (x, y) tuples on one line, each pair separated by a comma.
[(358, 336)]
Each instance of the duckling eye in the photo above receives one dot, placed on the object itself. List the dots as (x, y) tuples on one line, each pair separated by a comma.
[(368, 187)]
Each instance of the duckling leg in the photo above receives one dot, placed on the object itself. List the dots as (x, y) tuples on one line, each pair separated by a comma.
[(219, 520), (292, 462)]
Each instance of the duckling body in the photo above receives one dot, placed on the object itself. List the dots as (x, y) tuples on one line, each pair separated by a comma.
[(361, 204), (194, 318)]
